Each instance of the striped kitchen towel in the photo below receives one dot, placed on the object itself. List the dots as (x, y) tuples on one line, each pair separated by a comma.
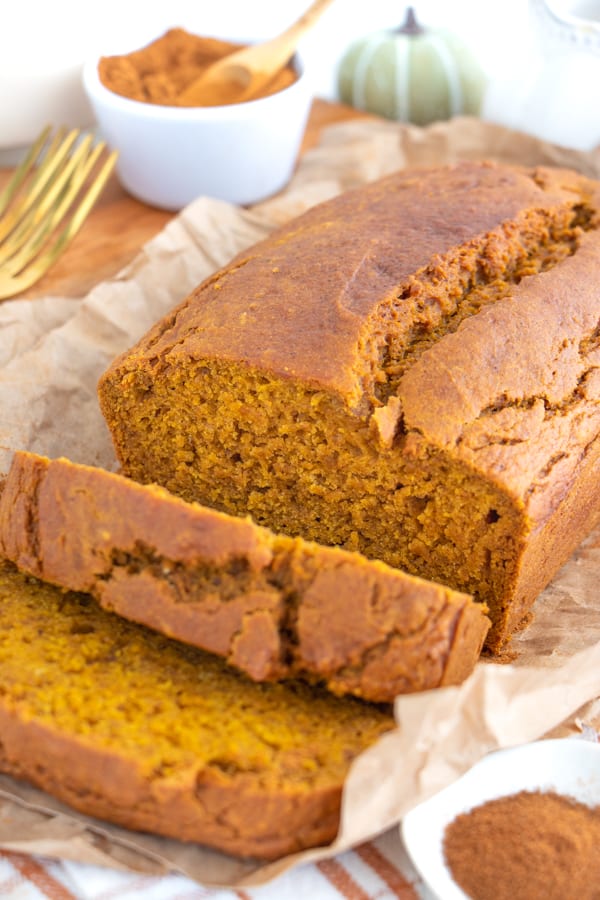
[(376, 870)]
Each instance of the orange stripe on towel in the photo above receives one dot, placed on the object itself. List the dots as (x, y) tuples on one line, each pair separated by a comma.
[(39, 876), (341, 879), (387, 871)]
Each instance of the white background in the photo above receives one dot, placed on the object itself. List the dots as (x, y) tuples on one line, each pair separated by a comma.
[(36, 33), (44, 42)]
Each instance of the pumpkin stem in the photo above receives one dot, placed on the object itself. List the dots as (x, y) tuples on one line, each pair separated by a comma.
[(411, 26)]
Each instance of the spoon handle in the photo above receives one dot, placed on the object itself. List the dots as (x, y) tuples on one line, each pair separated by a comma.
[(281, 48), (253, 67)]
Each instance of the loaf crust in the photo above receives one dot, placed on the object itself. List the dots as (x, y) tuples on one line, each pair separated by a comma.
[(126, 725), (410, 370), (273, 606)]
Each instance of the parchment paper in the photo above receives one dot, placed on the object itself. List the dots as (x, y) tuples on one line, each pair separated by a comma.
[(52, 352)]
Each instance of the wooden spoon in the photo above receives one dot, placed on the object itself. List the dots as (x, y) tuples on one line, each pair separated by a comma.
[(241, 75)]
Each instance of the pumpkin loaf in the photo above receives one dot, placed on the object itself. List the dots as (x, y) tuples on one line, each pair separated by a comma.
[(129, 726), (274, 606), (410, 370)]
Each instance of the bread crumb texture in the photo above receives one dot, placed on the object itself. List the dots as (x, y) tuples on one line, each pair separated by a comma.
[(127, 725), (273, 606)]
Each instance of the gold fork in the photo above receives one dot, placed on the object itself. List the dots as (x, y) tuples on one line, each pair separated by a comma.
[(46, 202)]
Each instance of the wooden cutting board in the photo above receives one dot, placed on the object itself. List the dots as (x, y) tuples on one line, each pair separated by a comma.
[(119, 225)]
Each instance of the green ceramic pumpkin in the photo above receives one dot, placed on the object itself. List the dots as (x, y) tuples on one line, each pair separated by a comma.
[(412, 74)]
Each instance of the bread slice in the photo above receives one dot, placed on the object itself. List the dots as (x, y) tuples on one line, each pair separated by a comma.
[(275, 607), (126, 725), (410, 370)]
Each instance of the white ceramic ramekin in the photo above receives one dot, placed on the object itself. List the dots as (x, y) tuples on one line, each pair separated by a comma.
[(169, 156)]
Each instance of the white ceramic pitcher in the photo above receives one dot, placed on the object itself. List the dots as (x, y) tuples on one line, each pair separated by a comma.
[(553, 91)]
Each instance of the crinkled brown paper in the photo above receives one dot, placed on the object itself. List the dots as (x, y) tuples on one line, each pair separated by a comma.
[(52, 352)]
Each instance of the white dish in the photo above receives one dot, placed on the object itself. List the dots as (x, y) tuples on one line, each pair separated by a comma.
[(567, 766), (168, 156)]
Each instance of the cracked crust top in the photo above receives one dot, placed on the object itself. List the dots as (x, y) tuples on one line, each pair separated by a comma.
[(284, 308)]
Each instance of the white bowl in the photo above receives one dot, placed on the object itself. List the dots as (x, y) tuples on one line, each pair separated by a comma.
[(168, 156), (567, 766)]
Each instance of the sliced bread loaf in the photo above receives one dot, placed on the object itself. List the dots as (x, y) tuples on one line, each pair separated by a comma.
[(126, 725), (274, 606)]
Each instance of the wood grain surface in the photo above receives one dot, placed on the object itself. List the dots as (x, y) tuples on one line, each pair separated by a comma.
[(119, 225)]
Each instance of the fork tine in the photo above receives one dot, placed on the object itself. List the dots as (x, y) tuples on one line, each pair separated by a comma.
[(15, 284), (40, 220), (70, 168), (53, 159), (23, 170)]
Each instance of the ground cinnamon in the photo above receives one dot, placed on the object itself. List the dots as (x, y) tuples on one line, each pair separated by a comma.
[(160, 72), (527, 846)]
